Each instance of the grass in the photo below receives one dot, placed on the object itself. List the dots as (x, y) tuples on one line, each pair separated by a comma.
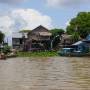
[(37, 54)]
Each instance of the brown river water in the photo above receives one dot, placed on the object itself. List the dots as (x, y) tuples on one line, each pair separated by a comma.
[(55, 73)]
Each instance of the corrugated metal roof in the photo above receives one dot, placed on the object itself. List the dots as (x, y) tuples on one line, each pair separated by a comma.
[(18, 35), (78, 43)]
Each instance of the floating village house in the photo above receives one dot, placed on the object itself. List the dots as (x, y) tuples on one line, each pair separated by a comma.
[(37, 39)]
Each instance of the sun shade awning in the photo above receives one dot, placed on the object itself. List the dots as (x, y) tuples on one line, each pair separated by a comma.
[(45, 34)]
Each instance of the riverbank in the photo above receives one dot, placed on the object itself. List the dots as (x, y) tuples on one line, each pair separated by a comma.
[(38, 54)]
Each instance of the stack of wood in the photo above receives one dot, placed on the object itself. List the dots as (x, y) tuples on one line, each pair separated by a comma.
[(2, 56), (13, 53)]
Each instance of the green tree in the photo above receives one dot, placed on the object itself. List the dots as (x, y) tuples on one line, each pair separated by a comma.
[(56, 33), (75, 37), (1, 37), (80, 24)]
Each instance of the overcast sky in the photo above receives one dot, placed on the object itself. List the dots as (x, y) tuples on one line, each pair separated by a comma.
[(16, 15)]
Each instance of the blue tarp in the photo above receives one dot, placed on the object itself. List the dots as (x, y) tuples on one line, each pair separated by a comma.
[(88, 37)]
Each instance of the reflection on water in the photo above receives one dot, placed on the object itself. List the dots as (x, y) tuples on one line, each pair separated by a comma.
[(58, 73)]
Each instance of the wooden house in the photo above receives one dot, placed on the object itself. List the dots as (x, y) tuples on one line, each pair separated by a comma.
[(39, 34), (38, 39)]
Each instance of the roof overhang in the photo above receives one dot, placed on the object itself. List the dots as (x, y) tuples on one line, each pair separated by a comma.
[(45, 34)]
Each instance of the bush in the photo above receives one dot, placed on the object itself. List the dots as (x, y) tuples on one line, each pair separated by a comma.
[(6, 49), (38, 54)]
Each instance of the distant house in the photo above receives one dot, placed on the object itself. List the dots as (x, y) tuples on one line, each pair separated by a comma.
[(39, 38), (18, 40)]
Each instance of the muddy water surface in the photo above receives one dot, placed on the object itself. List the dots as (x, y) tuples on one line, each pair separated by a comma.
[(57, 73)]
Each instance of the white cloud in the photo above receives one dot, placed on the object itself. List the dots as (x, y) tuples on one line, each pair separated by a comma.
[(12, 1), (59, 3), (5, 24), (19, 19), (30, 18)]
